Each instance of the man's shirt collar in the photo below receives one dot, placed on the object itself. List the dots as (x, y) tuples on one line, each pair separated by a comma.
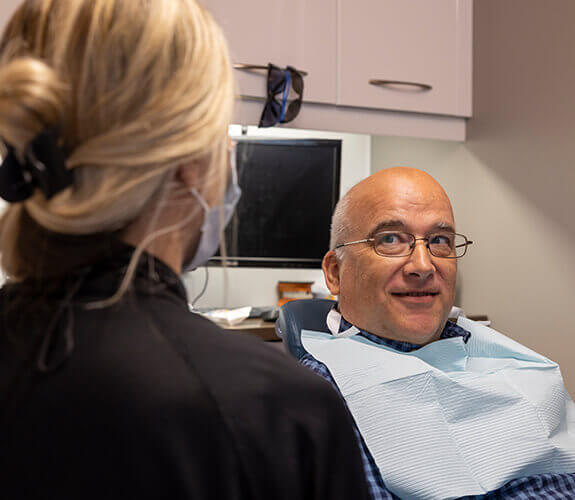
[(449, 331)]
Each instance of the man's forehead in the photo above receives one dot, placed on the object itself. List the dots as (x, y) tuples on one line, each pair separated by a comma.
[(427, 224), (402, 198)]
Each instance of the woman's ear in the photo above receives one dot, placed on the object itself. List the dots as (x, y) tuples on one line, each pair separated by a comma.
[(206, 177), (330, 266), (192, 173)]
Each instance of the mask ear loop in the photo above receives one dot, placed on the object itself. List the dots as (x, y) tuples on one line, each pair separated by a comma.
[(199, 198), (134, 260)]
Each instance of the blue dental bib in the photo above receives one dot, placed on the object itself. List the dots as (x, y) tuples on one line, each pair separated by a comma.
[(488, 411)]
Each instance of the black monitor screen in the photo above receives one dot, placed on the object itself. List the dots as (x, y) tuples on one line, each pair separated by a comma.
[(289, 191)]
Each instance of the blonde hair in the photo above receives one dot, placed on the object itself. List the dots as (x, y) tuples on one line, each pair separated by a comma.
[(134, 88)]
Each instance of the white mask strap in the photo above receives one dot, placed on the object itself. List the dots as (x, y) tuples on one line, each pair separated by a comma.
[(198, 197)]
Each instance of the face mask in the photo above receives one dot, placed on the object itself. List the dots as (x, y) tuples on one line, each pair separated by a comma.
[(211, 231)]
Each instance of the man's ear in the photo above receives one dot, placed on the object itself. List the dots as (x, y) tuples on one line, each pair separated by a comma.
[(330, 266)]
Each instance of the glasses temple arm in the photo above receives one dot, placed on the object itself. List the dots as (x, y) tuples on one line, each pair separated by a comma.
[(352, 243), (464, 244)]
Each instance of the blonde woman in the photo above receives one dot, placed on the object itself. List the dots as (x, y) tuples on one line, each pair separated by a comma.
[(113, 120)]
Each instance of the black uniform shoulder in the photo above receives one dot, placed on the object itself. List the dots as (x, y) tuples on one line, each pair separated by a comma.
[(288, 424), (163, 400), (245, 363)]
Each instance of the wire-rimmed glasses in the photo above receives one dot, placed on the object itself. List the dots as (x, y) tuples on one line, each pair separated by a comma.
[(444, 244)]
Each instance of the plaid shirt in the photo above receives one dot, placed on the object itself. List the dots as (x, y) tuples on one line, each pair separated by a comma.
[(542, 486)]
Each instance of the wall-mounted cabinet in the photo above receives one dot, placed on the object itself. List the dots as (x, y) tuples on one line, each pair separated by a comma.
[(407, 55), (394, 67), (301, 33)]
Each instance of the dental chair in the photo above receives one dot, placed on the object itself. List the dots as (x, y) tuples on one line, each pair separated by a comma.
[(298, 315)]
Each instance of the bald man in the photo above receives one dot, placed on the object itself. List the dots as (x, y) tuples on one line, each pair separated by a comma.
[(442, 410)]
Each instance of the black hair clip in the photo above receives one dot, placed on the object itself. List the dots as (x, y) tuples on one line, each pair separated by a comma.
[(280, 81), (44, 167)]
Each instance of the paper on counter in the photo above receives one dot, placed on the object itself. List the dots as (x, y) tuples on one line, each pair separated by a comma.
[(228, 317)]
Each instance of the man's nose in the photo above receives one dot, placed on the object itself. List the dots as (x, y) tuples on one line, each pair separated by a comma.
[(419, 263)]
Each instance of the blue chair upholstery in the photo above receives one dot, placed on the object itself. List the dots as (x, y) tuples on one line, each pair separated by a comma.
[(298, 315)]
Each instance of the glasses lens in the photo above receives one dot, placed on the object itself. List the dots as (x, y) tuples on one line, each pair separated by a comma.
[(393, 243), (449, 245), (276, 79), (297, 80), (271, 113), (292, 110)]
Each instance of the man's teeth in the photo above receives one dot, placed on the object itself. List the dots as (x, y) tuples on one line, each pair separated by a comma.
[(417, 294)]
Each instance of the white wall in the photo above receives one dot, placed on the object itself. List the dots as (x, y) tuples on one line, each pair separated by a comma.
[(513, 182), (257, 287)]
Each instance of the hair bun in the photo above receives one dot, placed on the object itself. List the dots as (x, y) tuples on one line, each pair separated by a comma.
[(31, 99)]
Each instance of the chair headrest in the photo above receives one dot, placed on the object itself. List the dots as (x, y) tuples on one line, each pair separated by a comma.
[(298, 315)]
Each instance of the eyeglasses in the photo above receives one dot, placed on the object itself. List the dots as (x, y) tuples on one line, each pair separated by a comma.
[(280, 81), (446, 245), (297, 85)]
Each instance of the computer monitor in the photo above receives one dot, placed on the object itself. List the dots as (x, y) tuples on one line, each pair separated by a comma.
[(289, 190)]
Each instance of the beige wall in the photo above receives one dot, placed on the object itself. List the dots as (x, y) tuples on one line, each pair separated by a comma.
[(513, 182)]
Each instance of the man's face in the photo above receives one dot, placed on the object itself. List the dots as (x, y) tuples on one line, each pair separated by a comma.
[(383, 295)]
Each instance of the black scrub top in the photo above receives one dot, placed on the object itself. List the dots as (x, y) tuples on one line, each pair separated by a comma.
[(145, 400)]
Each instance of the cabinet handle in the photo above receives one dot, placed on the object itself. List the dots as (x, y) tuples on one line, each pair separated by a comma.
[(384, 83), (251, 67)]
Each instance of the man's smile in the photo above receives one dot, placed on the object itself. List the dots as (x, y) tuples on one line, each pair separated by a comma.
[(416, 296)]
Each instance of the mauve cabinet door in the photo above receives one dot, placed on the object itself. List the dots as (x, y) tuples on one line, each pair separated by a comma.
[(424, 43), (299, 33)]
